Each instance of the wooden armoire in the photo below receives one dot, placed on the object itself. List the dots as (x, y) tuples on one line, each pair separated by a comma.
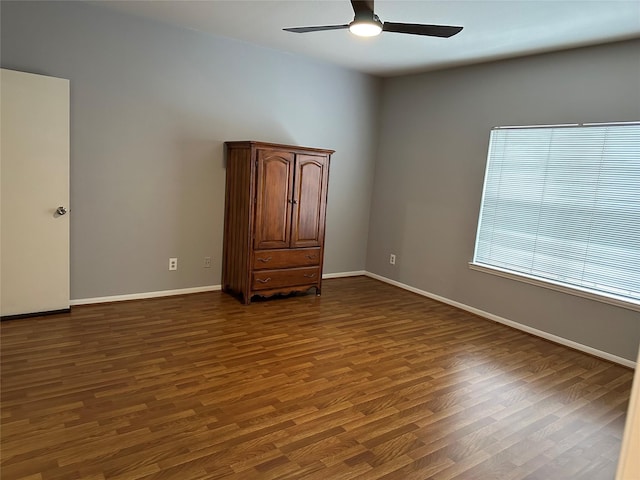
[(276, 198)]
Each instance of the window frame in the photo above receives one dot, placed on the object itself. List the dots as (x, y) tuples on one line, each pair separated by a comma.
[(576, 290)]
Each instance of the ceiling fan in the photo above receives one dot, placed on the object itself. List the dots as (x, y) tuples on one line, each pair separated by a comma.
[(367, 24)]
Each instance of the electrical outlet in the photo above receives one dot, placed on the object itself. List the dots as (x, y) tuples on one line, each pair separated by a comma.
[(173, 264), (207, 262), (392, 259)]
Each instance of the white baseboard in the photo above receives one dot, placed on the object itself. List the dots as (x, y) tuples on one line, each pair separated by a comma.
[(358, 273), (534, 331), (139, 296), (182, 291)]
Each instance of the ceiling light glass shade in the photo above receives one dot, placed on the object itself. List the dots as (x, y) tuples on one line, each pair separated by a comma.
[(365, 28)]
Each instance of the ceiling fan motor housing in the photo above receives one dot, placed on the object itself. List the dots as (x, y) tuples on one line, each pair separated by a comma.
[(366, 17)]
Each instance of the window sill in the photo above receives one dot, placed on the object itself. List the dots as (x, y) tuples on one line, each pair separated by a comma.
[(611, 300)]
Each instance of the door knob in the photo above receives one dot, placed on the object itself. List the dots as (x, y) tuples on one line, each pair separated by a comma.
[(61, 211)]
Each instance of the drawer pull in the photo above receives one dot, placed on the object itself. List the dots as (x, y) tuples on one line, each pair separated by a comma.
[(311, 257), (266, 280), (309, 275), (264, 260)]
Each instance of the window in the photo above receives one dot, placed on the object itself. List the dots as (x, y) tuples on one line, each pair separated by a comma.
[(561, 208)]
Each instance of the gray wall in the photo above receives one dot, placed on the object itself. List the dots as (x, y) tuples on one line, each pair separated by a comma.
[(151, 106), (430, 168)]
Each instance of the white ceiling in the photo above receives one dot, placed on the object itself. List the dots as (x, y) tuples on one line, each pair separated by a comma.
[(492, 29)]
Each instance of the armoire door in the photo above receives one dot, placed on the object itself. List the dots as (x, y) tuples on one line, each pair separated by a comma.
[(311, 179), (34, 253), (274, 191)]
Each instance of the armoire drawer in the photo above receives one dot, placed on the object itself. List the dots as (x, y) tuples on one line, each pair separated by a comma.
[(294, 257), (268, 279)]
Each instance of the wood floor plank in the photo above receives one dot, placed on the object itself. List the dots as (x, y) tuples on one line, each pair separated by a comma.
[(367, 381)]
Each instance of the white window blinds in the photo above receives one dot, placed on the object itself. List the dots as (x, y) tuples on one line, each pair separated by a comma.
[(562, 204)]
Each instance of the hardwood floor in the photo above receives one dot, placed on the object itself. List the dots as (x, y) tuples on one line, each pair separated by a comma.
[(366, 382)]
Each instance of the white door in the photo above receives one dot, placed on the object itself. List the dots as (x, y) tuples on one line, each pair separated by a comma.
[(34, 182)]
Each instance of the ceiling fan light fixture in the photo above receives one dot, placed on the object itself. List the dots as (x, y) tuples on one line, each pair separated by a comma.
[(365, 28)]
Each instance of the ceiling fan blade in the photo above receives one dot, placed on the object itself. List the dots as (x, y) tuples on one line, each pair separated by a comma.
[(362, 6), (316, 29), (444, 31)]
